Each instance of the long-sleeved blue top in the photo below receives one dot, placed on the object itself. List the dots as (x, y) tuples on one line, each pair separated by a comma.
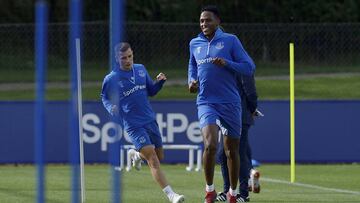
[(218, 84), (129, 91), (249, 98)]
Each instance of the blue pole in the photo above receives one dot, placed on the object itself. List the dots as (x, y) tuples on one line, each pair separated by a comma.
[(116, 28), (41, 18), (75, 32)]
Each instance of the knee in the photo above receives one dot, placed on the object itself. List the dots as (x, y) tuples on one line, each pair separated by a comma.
[(210, 148), (231, 154), (153, 161)]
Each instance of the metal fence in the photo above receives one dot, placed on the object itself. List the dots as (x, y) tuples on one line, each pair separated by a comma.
[(165, 45)]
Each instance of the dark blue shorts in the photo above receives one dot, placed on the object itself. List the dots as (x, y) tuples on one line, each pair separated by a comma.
[(227, 116), (147, 134)]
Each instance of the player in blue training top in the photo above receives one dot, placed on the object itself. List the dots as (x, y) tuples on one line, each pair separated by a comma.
[(216, 58), (125, 94)]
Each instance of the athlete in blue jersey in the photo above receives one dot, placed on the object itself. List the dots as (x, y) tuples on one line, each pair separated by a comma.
[(216, 58), (125, 94)]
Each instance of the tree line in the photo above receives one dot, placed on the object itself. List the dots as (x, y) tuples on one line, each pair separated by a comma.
[(231, 11)]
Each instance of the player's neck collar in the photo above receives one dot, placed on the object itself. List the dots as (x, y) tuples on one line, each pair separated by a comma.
[(217, 33)]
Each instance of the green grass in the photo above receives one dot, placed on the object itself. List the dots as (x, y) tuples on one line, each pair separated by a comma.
[(18, 184), (95, 71), (315, 88), (269, 69)]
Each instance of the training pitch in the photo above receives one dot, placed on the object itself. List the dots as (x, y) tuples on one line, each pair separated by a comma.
[(314, 183)]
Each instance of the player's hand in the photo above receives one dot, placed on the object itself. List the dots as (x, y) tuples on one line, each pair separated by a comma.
[(114, 110), (219, 61), (161, 76), (257, 113), (193, 86)]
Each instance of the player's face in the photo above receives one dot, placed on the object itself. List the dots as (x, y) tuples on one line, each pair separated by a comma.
[(125, 59), (208, 23)]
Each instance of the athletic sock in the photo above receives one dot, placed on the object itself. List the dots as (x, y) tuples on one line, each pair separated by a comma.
[(209, 188), (169, 192), (232, 192)]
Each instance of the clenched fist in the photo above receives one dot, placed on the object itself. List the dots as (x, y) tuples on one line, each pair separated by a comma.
[(161, 76), (193, 86)]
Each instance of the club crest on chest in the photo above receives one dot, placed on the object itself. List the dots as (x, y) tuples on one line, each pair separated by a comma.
[(219, 45)]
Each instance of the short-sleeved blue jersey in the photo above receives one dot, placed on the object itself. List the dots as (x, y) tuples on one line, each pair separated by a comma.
[(218, 84), (129, 90)]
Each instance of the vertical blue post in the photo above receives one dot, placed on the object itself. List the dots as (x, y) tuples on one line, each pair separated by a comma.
[(75, 10), (41, 18), (116, 28)]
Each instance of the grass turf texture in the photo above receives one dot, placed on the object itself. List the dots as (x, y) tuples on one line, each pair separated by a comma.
[(95, 71), (18, 184), (313, 88)]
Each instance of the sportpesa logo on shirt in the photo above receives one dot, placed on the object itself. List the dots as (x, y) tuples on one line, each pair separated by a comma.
[(205, 60), (134, 89)]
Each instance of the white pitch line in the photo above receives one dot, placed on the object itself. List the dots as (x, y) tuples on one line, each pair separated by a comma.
[(310, 186)]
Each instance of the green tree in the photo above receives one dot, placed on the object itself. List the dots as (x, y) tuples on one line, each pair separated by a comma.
[(236, 11)]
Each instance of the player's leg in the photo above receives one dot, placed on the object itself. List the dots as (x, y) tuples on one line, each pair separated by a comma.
[(249, 155), (156, 139), (230, 126), (160, 153), (210, 136), (221, 196), (254, 175), (231, 146), (208, 116), (149, 154), (244, 165), (136, 157), (152, 130)]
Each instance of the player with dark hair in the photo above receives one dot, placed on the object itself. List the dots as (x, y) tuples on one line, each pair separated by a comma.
[(125, 94), (216, 58)]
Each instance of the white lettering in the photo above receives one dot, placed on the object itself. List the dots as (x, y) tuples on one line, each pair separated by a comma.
[(171, 129), (91, 128), (174, 124), (89, 120), (106, 138), (193, 132), (134, 89), (162, 125), (205, 60)]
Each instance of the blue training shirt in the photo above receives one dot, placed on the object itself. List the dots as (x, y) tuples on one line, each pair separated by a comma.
[(129, 90), (218, 84)]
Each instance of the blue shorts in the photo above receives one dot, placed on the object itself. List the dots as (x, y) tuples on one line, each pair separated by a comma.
[(227, 116), (147, 134)]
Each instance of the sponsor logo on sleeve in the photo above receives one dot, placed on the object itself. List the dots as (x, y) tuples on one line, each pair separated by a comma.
[(198, 50)]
